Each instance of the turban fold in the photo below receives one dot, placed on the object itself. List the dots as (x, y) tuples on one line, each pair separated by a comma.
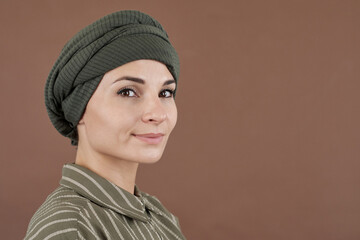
[(108, 43)]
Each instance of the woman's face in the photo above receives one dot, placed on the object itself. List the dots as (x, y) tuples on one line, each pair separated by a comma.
[(131, 114)]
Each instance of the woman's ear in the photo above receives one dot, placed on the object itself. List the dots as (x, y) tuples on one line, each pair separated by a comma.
[(82, 119)]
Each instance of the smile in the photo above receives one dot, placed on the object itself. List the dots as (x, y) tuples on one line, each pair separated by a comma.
[(150, 138)]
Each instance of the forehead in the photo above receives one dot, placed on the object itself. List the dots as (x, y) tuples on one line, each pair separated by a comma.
[(148, 70)]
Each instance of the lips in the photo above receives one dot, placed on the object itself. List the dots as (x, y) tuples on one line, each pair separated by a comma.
[(150, 138)]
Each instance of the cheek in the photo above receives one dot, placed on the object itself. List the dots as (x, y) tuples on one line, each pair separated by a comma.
[(103, 122), (117, 122), (97, 124), (172, 115)]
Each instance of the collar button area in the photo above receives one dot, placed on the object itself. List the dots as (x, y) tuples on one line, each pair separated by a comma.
[(141, 201)]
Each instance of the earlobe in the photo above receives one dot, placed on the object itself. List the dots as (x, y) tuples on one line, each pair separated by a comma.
[(81, 120)]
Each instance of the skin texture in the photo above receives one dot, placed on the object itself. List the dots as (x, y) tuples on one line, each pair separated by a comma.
[(118, 112)]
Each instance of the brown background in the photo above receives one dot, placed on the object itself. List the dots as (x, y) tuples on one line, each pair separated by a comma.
[(267, 144)]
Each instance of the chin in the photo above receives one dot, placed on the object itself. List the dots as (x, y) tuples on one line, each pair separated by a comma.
[(149, 161), (149, 156)]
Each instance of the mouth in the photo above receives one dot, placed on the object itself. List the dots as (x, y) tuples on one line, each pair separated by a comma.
[(150, 138)]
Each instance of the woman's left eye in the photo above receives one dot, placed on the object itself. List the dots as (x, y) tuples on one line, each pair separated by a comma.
[(167, 93)]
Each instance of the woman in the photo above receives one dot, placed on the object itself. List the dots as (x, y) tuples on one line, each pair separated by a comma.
[(111, 91)]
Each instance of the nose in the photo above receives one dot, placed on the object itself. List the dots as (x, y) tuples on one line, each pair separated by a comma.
[(154, 111)]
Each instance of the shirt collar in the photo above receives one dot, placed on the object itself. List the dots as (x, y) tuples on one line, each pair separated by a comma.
[(105, 193)]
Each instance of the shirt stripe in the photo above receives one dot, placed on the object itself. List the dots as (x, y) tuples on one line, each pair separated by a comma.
[(60, 232), (87, 206)]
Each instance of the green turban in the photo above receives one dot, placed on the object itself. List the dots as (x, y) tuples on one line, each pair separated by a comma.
[(108, 43)]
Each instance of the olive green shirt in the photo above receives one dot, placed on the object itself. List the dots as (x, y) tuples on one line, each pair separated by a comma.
[(87, 206)]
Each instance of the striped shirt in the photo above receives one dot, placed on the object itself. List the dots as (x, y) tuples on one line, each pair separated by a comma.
[(87, 206)]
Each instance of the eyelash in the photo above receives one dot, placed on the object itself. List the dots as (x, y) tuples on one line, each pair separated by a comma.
[(122, 90)]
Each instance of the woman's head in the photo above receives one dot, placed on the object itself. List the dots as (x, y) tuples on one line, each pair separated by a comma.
[(131, 114), (113, 41)]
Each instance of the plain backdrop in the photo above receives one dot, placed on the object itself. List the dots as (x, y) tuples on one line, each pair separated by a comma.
[(267, 144)]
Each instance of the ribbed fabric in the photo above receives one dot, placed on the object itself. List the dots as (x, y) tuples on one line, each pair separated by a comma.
[(87, 206), (109, 42)]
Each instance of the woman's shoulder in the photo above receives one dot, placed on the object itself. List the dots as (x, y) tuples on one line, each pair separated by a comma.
[(60, 215)]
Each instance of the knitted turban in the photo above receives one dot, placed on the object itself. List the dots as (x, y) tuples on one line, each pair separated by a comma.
[(111, 41)]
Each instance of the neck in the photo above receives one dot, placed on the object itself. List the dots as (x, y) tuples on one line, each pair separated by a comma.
[(120, 172)]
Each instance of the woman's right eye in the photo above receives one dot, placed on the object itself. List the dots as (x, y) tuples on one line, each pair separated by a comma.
[(127, 92)]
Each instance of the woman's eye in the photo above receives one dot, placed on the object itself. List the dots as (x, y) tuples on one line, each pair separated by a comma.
[(127, 92), (167, 93)]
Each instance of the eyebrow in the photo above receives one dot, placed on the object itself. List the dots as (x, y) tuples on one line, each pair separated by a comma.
[(141, 81)]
